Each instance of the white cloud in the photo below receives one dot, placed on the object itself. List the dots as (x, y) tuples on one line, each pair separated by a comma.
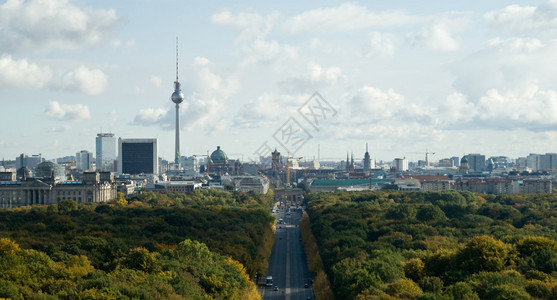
[(253, 26), (156, 81), (506, 64), (529, 108), (252, 40), (66, 112), (436, 37), (456, 110), (314, 77), (83, 79), (266, 110), (200, 61), (345, 17), (55, 24), (525, 19), (23, 74), (374, 104), (515, 43), (379, 44), (262, 51), (149, 116)]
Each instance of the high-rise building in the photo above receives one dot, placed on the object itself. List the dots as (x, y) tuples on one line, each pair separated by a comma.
[(400, 164), (548, 162), (105, 151), (533, 161), (177, 97), (476, 162), (138, 156), (84, 160), (455, 161)]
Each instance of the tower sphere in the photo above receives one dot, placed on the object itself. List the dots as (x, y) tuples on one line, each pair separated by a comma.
[(177, 97)]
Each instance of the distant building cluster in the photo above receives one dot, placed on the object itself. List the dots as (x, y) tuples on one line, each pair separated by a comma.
[(130, 165)]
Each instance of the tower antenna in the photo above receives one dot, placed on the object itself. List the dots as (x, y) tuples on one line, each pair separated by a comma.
[(177, 59)]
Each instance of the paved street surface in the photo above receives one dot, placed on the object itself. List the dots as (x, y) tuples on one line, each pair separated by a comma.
[(287, 263)]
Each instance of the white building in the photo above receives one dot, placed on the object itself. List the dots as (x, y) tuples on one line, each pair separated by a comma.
[(400, 164)]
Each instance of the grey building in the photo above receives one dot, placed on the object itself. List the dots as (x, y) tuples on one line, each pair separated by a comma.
[(476, 162), (95, 187), (84, 160), (30, 162)]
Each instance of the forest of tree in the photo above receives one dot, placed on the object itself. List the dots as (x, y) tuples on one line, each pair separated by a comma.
[(201, 245), (447, 245)]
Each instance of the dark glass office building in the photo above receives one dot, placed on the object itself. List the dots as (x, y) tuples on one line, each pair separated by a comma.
[(137, 156)]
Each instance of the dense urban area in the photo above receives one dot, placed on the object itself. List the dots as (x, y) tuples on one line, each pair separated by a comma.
[(136, 226)]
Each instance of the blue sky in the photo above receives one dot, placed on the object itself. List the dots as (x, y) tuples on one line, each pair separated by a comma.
[(451, 77)]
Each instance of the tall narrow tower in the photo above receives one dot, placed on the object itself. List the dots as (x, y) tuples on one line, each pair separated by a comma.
[(367, 161), (177, 97)]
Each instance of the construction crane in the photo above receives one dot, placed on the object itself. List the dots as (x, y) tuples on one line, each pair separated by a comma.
[(426, 156), (288, 167)]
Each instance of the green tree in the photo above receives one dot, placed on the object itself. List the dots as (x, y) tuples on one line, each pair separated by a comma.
[(430, 214), (404, 288), (462, 291), (66, 206), (140, 259), (483, 253)]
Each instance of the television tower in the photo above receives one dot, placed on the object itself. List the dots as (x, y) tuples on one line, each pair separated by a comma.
[(177, 97)]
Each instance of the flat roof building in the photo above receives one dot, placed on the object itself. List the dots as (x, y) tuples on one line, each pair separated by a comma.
[(138, 156)]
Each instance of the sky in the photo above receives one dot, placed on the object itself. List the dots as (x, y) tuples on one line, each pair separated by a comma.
[(313, 78)]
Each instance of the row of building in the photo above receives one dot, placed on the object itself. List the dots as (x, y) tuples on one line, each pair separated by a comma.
[(434, 183)]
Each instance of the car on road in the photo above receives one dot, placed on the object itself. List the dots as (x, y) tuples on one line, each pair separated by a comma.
[(276, 288), (306, 285)]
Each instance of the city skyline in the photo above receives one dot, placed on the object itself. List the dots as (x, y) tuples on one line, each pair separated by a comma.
[(449, 78)]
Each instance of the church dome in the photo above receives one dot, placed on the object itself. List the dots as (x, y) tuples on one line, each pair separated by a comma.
[(218, 156), (50, 169), (464, 160)]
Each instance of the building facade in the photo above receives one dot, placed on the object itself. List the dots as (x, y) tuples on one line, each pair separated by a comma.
[(84, 160), (476, 162), (30, 162), (138, 156), (105, 151), (95, 187)]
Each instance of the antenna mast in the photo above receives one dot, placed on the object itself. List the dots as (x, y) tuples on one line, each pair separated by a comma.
[(176, 59)]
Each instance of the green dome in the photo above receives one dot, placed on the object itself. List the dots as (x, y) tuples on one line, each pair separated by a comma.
[(218, 156), (49, 169)]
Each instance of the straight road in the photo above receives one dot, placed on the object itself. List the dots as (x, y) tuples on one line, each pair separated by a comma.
[(287, 263)]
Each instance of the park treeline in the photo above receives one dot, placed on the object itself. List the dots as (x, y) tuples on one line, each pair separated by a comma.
[(200, 245), (445, 245)]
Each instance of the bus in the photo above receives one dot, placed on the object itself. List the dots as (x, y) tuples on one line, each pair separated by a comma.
[(269, 281)]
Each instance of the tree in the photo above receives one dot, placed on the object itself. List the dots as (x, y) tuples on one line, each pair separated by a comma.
[(140, 259), (402, 212), (66, 206), (430, 214), (404, 288), (483, 253), (414, 269)]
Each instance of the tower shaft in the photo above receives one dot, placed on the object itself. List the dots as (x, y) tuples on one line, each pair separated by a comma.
[(177, 149)]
